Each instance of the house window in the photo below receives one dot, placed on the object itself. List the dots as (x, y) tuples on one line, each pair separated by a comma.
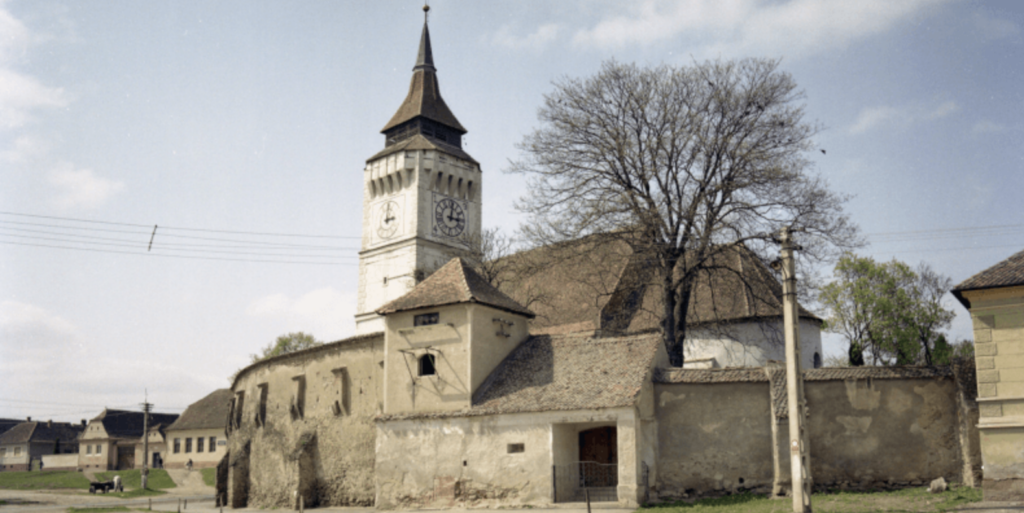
[(426, 319), (188, 445), (342, 403), (514, 448), (427, 365), (17, 451), (88, 449), (3, 451), (199, 444), (817, 361), (177, 445), (298, 406), (99, 449), (213, 444), (261, 412)]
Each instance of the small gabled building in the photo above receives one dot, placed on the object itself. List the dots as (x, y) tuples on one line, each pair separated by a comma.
[(110, 438), (23, 446), (200, 434), (995, 298)]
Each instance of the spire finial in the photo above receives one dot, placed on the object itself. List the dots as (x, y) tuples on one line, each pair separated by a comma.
[(426, 11)]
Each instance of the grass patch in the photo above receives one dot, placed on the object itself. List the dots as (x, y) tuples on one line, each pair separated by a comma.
[(46, 480), (209, 476), (158, 478), (907, 500)]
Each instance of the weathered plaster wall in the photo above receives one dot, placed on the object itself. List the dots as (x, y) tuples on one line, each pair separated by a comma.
[(465, 461), (998, 318), (883, 431), (712, 437), (448, 341), (494, 334), (749, 344), (324, 455)]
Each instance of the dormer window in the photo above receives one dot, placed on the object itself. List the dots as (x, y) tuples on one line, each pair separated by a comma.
[(426, 366)]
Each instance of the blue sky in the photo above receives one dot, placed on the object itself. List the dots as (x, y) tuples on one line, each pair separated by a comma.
[(253, 116)]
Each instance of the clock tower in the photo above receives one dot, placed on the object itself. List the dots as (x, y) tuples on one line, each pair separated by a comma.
[(421, 196)]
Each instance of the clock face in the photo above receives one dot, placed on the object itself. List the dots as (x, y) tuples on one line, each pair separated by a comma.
[(449, 217), (387, 219)]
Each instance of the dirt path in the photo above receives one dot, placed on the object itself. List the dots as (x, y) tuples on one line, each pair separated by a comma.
[(190, 482)]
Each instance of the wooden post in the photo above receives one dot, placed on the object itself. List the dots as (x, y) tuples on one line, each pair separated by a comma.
[(799, 449), (151, 504), (554, 484), (586, 492), (302, 504), (186, 504)]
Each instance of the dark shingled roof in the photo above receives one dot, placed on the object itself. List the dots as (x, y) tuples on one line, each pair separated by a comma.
[(424, 98), (208, 412), (419, 142), (41, 432), (454, 283), (1008, 273), (561, 373), (7, 424), (128, 424)]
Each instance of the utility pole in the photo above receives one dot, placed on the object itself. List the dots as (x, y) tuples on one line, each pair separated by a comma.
[(146, 406), (799, 448)]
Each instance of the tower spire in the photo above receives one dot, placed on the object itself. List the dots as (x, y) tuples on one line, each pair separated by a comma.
[(425, 58), (424, 112)]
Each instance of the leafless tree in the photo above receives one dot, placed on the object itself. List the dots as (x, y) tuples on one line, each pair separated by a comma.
[(680, 164)]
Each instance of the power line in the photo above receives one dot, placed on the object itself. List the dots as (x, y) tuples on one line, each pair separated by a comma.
[(184, 257), (147, 226)]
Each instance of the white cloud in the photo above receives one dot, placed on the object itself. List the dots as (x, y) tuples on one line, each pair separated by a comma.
[(947, 108), (988, 127), (25, 149), (738, 27), (880, 116), (538, 39), (20, 94), (81, 188), (326, 313), (874, 116), (992, 28)]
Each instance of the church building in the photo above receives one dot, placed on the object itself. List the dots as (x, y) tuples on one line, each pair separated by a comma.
[(453, 392)]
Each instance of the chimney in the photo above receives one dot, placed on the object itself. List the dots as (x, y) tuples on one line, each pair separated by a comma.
[(29, 419), (49, 424), (83, 422)]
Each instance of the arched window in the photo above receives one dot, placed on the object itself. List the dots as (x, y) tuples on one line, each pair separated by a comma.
[(817, 360), (427, 365)]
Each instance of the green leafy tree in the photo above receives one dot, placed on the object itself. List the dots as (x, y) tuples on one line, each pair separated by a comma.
[(284, 344), (888, 311)]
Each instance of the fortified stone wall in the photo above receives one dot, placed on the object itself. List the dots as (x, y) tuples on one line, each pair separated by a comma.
[(315, 436), (869, 428)]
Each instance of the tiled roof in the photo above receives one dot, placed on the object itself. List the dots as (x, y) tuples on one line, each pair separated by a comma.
[(757, 374), (454, 283), (562, 373), (1008, 273), (424, 98), (419, 142), (599, 283), (700, 376), (41, 432), (208, 412), (7, 424), (128, 424)]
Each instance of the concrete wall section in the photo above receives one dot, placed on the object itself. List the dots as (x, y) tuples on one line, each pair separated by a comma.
[(60, 461), (713, 437)]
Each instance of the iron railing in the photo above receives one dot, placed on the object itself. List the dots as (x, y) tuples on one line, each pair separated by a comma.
[(572, 482)]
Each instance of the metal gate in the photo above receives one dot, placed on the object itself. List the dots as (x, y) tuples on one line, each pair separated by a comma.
[(573, 482)]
